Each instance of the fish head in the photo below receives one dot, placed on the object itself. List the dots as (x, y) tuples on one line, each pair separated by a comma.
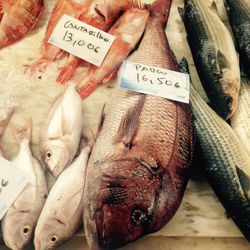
[(56, 156), (135, 197), (51, 234), (230, 87), (18, 229)]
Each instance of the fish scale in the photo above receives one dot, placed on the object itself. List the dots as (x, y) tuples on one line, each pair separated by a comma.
[(214, 55), (226, 162), (144, 145)]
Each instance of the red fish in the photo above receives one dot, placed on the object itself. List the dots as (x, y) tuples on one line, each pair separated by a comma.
[(138, 168), (17, 18)]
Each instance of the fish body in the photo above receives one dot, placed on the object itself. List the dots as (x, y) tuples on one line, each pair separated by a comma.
[(127, 31), (214, 55), (19, 222), (60, 134), (138, 168), (101, 14), (62, 213), (17, 18), (226, 162), (239, 17), (241, 119), (73, 8)]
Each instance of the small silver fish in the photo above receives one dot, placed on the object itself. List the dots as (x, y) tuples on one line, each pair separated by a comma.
[(20, 220), (62, 214), (61, 132)]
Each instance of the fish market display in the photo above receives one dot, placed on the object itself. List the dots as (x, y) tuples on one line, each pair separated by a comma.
[(17, 18), (239, 17), (127, 31), (73, 8), (138, 168), (62, 213), (102, 14), (61, 132), (226, 161), (19, 222), (240, 121), (214, 55)]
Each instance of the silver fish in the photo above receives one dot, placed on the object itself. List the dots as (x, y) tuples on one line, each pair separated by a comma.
[(20, 220), (61, 132), (62, 214)]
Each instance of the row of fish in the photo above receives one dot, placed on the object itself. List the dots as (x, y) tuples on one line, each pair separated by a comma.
[(138, 169)]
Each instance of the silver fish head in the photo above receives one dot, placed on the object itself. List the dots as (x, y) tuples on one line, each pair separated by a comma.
[(18, 229), (56, 156), (51, 234), (135, 197)]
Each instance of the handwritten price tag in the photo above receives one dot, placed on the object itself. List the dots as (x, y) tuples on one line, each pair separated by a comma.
[(154, 81), (12, 182), (81, 40)]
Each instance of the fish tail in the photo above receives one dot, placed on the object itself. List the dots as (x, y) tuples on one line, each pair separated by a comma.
[(160, 9), (24, 132), (68, 71), (87, 89)]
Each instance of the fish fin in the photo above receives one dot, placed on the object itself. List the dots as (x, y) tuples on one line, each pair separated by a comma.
[(222, 61), (68, 70), (23, 133), (87, 89), (129, 122), (4, 123), (244, 181), (110, 76), (161, 8), (214, 8), (5, 5), (181, 13), (101, 121), (183, 64)]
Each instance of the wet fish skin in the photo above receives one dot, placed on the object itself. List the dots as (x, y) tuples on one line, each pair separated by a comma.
[(17, 18), (241, 119), (127, 30), (61, 132), (61, 216), (225, 161), (214, 55), (19, 222), (239, 17), (138, 168), (73, 8)]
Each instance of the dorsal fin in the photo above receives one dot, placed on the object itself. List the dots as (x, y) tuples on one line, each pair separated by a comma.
[(129, 122), (244, 181)]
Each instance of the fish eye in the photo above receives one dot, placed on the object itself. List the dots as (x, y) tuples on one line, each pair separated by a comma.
[(138, 216), (48, 154), (26, 230), (53, 238)]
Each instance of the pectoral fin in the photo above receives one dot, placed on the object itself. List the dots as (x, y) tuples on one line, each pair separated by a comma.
[(244, 181), (214, 8), (129, 122), (222, 61)]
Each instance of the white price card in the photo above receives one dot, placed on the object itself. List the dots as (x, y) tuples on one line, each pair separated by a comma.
[(154, 81), (81, 40), (12, 182)]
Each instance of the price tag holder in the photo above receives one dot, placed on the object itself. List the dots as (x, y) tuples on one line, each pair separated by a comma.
[(12, 182), (81, 40), (154, 81)]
